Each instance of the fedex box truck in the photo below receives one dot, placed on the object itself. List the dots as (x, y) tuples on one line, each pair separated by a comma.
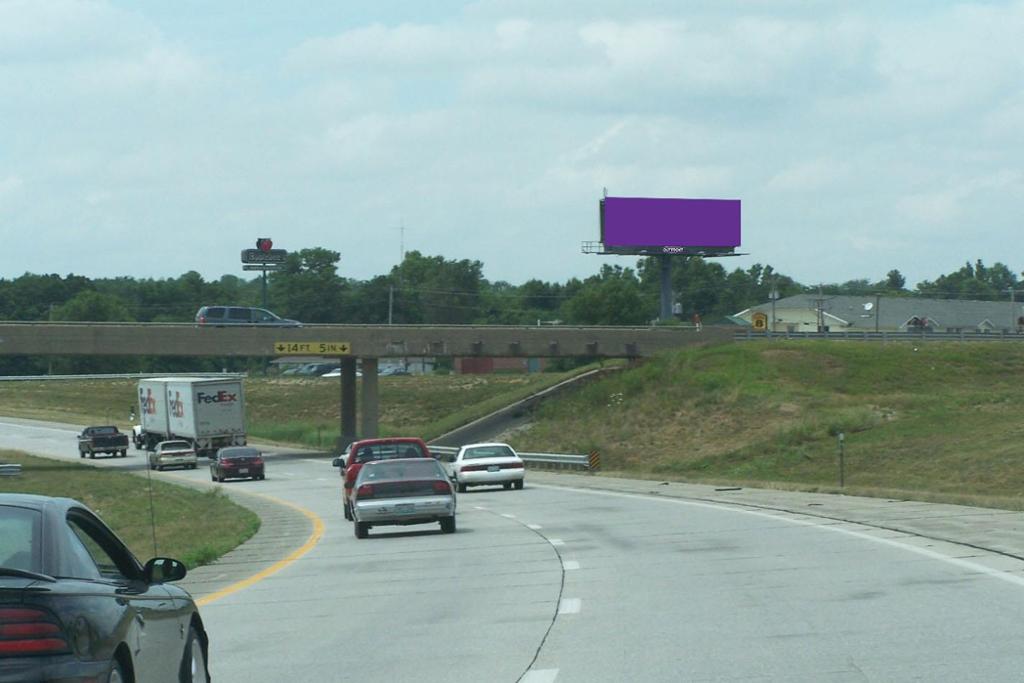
[(207, 412)]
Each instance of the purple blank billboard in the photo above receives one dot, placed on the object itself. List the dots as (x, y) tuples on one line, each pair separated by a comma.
[(644, 222)]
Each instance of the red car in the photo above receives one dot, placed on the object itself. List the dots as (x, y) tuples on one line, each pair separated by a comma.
[(237, 462), (368, 450)]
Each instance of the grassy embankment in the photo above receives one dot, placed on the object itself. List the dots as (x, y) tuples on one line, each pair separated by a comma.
[(294, 411), (933, 422), (193, 526)]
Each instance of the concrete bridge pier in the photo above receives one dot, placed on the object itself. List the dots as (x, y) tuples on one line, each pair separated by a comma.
[(348, 402), (370, 400)]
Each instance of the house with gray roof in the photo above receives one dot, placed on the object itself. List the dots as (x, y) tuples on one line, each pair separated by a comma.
[(868, 313)]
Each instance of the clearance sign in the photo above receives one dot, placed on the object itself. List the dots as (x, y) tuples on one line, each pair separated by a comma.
[(312, 348)]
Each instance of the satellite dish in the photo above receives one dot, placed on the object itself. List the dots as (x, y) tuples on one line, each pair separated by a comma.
[(868, 306)]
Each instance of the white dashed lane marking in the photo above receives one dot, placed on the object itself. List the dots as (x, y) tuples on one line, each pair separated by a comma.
[(535, 527), (570, 606), (556, 541), (569, 565), (540, 676)]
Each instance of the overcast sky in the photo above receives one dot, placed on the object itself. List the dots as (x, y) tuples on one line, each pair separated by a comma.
[(151, 138)]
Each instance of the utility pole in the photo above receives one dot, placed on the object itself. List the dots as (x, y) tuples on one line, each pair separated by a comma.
[(773, 295), (1013, 311), (878, 303)]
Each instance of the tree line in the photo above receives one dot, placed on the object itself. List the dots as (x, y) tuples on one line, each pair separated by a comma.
[(425, 289)]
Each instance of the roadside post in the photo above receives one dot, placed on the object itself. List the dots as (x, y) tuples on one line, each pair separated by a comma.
[(842, 440)]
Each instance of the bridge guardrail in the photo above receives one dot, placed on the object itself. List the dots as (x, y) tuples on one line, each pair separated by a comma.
[(847, 335), (125, 375), (565, 461)]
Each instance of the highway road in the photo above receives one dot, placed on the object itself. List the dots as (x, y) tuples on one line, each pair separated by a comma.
[(552, 584)]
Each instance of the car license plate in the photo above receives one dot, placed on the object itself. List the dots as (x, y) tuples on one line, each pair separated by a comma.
[(493, 468), (244, 470), (405, 509)]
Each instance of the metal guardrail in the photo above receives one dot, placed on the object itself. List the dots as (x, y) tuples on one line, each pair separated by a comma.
[(847, 335), (127, 375), (10, 470), (563, 461)]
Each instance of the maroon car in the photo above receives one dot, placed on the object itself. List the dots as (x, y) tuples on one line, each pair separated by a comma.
[(237, 462)]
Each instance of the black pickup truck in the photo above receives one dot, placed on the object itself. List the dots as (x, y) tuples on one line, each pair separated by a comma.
[(105, 439)]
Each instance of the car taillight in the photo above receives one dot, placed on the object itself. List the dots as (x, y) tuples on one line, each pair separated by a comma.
[(257, 461), (365, 491), (442, 487), (29, 631), (202, 320)]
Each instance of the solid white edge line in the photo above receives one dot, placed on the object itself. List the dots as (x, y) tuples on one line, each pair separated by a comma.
[(819, 523)]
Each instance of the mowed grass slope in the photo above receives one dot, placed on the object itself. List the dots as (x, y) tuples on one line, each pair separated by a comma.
[(293, 411), (195, 527), (933, 421)]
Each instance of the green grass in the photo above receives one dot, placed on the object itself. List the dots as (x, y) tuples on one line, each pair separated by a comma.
[(934, 422), (195, 527)]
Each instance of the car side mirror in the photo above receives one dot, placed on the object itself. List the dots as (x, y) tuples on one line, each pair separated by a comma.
[(338, 462), (350, 484), (163, 570)]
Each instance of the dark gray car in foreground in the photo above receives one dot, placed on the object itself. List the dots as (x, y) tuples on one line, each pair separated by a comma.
[(75, 604)]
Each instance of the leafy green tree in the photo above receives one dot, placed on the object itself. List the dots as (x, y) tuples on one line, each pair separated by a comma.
[(95, 307), (309, 288), (612, 297), (432, 289)]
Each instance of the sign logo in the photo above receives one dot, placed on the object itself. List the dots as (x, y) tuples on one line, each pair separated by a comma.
[(177, 405), (147, 404), (760, 321), (264, 244), (220, 397)]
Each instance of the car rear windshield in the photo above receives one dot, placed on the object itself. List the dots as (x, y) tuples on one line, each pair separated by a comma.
[(100, 431), (388, 451), (238, 453), (177, 446), (488, 452), (19, 538), (405, 470)]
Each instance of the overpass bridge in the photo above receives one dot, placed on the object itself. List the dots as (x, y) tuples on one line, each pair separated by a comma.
[(347, 343)]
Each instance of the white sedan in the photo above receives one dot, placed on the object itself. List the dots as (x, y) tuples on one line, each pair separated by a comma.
[(486, 464), (173, 454)]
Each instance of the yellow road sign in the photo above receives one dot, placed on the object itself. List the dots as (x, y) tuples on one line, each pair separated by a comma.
[(312, 348)]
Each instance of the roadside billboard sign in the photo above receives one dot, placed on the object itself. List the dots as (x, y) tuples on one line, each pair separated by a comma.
[(663, 224)]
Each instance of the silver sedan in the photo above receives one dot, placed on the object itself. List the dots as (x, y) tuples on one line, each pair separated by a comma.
[(403, 491)]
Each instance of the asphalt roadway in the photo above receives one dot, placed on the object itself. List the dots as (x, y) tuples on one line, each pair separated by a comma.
[(579, 578)]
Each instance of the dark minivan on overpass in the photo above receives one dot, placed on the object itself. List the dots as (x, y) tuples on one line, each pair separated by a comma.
[(241, 315)]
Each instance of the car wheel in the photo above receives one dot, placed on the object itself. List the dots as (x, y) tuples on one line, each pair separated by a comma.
[(91, 454), (159, 468), (193, 662), (348, 512), (518, 484), (221, 478), (462, 487), (361, 529), (262, 477), (213, 477), (507, 485), (124, 453), (81, 454), (116, 674), (448, 524)]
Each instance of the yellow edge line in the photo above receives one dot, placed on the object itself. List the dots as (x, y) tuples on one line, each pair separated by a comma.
[(314, 538)]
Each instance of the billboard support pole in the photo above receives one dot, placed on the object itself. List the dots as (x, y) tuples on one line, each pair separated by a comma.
[(666, 287)]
